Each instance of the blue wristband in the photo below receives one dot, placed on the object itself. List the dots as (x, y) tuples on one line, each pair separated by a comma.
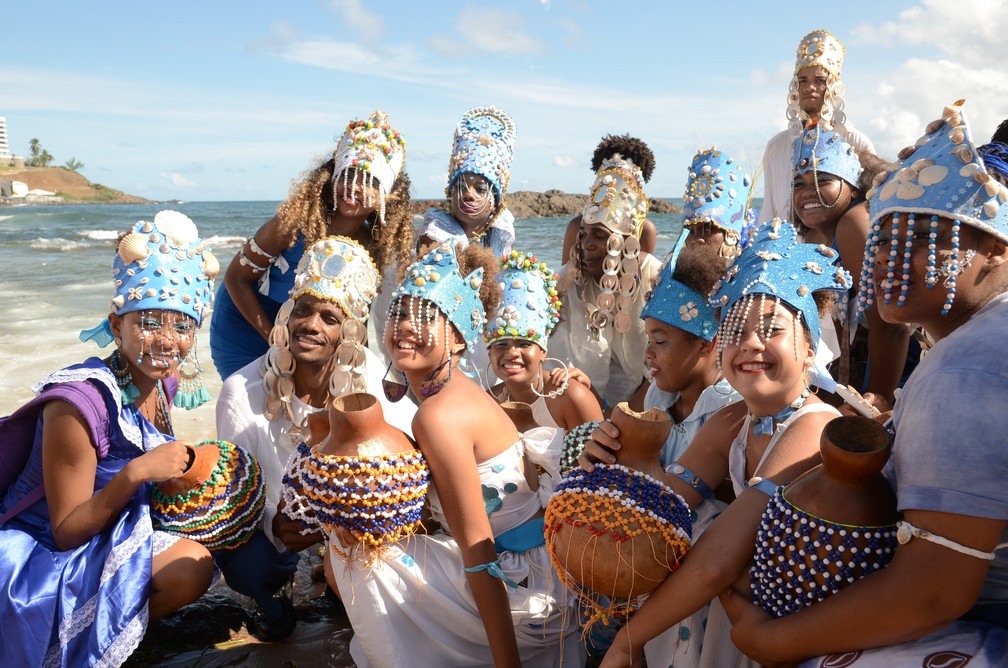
[(693, 480), (494, 569)]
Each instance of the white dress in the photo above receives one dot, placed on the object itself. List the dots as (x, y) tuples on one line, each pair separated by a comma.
[(414, 607)]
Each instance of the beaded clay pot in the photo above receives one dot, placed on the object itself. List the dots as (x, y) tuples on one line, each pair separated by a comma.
[(364, 477), (520, 414), (620, 530), (830, 527), (217, 501)]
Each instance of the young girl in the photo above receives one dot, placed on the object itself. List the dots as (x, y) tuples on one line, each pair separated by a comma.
[(938, 257), (517, 336), (828, 205), (361, 193), (83, 569), (481, 590), (479, 172), (766, 347)]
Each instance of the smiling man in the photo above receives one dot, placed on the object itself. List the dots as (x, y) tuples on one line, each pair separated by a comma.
[(317, 352), (815, 97)]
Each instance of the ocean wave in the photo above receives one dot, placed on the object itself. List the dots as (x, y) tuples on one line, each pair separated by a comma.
[(220, 240), (60, 244), (3, 218), (100, 235)]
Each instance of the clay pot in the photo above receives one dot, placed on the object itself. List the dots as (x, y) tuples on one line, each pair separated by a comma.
[(362, 467), (217, 501), (845, 505), (520, 414), (357, 427), (600, 544)]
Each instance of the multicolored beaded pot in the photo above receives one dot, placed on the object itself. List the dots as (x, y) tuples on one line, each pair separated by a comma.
[(364, 483), (218, 501), (830, 527), (621, 529)]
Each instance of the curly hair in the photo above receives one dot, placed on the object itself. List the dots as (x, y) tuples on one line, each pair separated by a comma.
[(699, 267), (305, 210), (471, 258), (631, 148), (871, 166)]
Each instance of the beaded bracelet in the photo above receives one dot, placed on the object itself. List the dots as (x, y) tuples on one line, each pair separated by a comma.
[(574, 444)]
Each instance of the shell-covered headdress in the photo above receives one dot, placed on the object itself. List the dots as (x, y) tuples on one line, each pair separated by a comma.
[(942, 176), (819, 48), (818, 150), (164, 265), (335, 269), (617, 201), (718, 191), (678, 305), (376, 150), (776, 265), (530, 306), (484, 145), (435, 278)]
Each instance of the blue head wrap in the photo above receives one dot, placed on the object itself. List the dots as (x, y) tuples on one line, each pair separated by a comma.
[(818, 150)]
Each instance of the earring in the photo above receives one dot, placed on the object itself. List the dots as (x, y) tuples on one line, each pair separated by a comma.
[(374, 230), (124, 379), (542, 381), (393, 389), (191, 391)]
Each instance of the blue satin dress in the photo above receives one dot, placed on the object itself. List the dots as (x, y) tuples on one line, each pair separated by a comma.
[(85, 606)]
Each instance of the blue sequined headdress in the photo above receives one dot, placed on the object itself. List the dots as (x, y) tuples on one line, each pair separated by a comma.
[(676, 304), (484, 145), (164, 265), (941, 177), (718, 192), (530, 306), (776, 265), (818, 150), (435, 277)]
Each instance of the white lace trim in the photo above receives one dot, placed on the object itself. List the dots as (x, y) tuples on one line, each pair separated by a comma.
[(105, 377), (163, 540), (83, 617), (126, 642)]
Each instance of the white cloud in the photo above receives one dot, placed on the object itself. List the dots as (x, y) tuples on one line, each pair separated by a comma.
[(177, 180), (368, 24), (564, 161), (489, 30)]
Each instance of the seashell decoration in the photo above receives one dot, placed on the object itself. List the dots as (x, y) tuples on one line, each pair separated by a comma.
[(909, 191), (932, 174), (211, 265), (133, 248), (178, 227)]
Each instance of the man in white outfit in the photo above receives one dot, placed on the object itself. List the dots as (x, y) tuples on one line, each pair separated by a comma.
[(316, 353), (815, 97)]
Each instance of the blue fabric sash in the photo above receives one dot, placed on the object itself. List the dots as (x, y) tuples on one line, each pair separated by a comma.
[(523, 537)]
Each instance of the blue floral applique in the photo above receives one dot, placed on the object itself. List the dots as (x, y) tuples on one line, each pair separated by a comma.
[(408, 560), (493, 497)]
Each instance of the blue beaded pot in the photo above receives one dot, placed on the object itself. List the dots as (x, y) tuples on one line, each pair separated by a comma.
[(831, 526)]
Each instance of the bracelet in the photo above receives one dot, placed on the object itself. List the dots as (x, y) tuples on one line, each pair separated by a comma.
[(245, 262), (693, 480), (768, 487), (905, 531), (258, 250), (494, 569)]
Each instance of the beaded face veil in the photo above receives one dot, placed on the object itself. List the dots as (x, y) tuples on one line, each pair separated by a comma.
[(484, 145), (819, 48), (776, 267), (718, 192), (335, 269), (825, 151), (164, 270), (676, 304), (617, 202), (373, 152), (436, 282), (942, 176)]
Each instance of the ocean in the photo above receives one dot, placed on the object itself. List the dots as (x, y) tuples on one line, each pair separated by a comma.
[(55, 264)]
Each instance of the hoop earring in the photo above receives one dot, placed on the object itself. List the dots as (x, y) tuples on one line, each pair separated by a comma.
[(374, 230), (542, 380)]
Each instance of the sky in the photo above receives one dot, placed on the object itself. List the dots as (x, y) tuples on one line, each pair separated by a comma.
[(223, 101)]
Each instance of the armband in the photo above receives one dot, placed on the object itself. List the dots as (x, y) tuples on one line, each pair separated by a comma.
[(494, 569)]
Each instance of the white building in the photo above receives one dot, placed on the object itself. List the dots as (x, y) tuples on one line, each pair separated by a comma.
[(4, 144)]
